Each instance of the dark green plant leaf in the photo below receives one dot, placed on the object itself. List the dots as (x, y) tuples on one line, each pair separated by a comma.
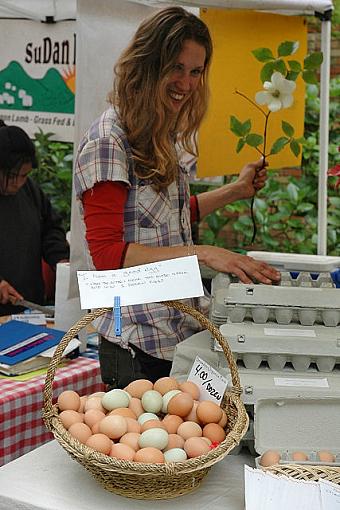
[(246, 127), (295, 66), (295, 147), (287, 48), (236, 126), (254, 140), (267, 71), (313, 61), (280, 66), (292, 75), (287, 128), (240, 144), (263, 54), (310, 77), (279, 144)]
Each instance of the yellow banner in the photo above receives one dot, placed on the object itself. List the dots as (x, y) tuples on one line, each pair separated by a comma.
[(234, 67)]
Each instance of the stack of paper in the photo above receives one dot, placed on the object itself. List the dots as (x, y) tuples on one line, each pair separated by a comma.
[(25, 347), (267, 491)]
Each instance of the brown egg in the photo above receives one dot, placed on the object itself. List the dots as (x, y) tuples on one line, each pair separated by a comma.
[(149, 455), (68, 400), (94, 403), (97, 394), (207, 440), (152, 424), (190, 387), (68, 417), (174, 441), (122, 452), (172, 422), (131, 439), (123, 411), (214, 432), (80, 431), (195, 446), (269, 458), (136, 406), (181, 404), (93, 416), (99, 442), (299, 456), (189, 429), (133, 425), (192, 416), (208, 412), (224, 420), (138, 387), (165, 384), (326, 456), (82, 403), (95, 428), (113, 427)]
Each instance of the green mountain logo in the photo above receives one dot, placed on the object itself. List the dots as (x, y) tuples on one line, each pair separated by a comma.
[(18, 91)]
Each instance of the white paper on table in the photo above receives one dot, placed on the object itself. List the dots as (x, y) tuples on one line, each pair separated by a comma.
[(167, 279), (74, 343), (268, 491), (330, 495)]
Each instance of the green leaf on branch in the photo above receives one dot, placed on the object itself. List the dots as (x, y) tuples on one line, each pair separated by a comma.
[(287, 129), (239, 128), (313, 61), (295, 147), (287, 48), (295, 66), (254, 140), (240, 144), (267, 71), (310, 77), (280, 66), (236, 126), (279, 144), (263, 54), (292, 75)]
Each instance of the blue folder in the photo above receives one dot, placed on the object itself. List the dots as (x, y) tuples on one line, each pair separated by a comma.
[(20, 341)]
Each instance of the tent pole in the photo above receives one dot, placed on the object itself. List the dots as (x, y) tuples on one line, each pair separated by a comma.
[(324, 136)]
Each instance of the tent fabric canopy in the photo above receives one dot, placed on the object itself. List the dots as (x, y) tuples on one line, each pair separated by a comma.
[(286, 6), (67, 9)]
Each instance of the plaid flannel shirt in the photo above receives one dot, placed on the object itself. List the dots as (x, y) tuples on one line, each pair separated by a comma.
[(150, 218)]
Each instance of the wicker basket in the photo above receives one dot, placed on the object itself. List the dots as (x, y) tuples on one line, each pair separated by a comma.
[(306, 472), (139, 480)]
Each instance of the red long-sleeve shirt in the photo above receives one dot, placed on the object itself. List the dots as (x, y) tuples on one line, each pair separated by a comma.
[(104, 220)]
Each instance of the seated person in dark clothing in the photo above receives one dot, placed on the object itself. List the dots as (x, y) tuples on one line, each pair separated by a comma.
[(30, 230)]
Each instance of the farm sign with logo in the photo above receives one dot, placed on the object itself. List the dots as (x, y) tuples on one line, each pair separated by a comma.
[(37, 76)]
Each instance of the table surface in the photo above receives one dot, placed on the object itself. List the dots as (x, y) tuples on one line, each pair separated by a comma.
[(21, 402), (49, 479)]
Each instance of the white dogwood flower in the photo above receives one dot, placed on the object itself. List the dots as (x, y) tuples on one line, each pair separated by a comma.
[(278, 93)]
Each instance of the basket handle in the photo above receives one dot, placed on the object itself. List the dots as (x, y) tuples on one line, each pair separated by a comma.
[(89, 317)]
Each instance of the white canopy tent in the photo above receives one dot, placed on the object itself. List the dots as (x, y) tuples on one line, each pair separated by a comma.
[(104, 27)]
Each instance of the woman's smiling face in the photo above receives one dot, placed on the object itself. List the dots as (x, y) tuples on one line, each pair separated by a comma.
[(186, 74)]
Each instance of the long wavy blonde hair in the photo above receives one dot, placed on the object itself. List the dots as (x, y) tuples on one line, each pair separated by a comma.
[(139, 88)]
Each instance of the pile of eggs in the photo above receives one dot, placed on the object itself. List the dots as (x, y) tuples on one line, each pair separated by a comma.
[(145, 422), (271, 457)]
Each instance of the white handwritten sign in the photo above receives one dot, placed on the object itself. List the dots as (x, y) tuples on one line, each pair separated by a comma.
[(211, 383), (168, 279)]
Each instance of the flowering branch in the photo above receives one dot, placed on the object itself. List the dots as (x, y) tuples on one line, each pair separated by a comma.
[(278, 78)]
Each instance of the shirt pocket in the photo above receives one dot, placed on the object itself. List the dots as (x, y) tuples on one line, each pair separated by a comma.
[(154, 216)]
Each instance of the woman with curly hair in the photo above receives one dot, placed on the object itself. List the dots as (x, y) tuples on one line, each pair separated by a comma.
[(132, 186)]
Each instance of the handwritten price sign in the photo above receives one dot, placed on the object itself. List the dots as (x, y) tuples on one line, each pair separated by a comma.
[(211, 383)]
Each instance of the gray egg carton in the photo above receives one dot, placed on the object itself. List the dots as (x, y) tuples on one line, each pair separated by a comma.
[(291, 424), (277, 346), (303, 300)]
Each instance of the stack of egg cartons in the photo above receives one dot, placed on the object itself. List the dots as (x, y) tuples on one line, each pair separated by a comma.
[(286, 340)]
